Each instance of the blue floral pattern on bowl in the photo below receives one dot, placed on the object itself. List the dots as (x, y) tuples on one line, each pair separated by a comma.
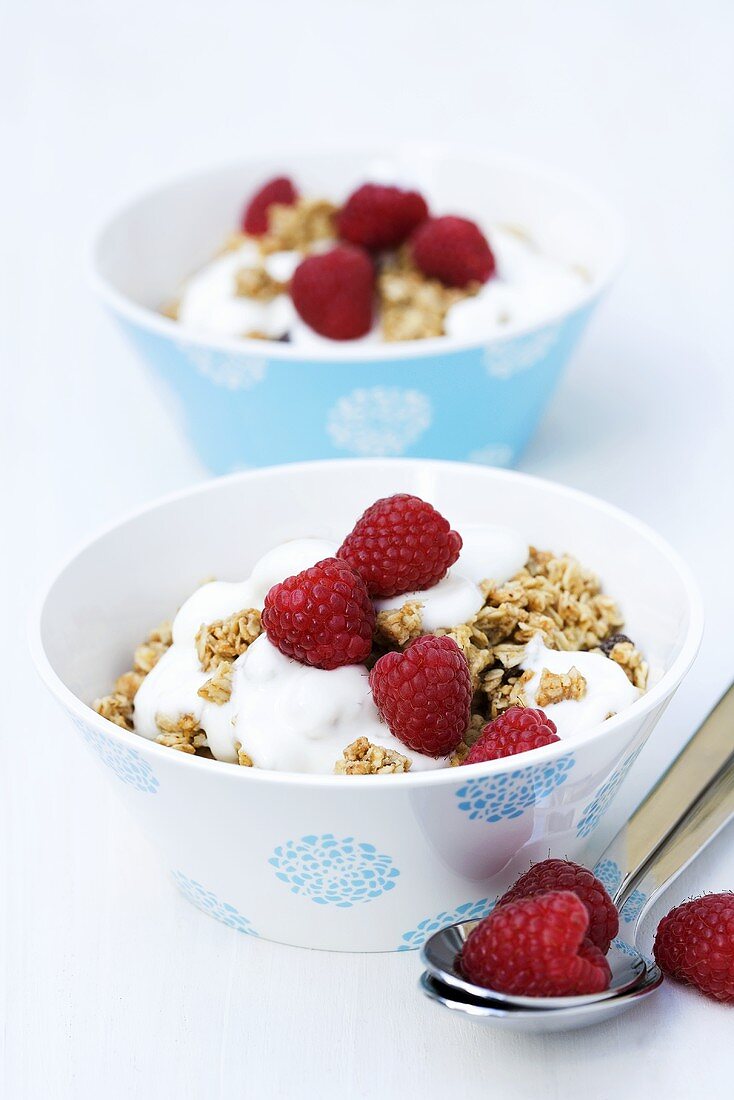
[(210, 904), (633, 906), (492, 798), (127, 763), (609, 874), (470, 910), (594, 812), (335, 872)]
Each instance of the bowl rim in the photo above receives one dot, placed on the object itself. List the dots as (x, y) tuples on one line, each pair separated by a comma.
[(347, 351), (659, 693)]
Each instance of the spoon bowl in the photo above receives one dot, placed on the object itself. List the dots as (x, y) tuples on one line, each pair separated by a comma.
[(441, 956), (533, 1020)]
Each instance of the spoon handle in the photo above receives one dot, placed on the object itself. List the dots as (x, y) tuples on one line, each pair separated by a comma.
[(687, 807)]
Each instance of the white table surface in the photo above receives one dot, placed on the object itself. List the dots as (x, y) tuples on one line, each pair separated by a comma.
[(112, 985)]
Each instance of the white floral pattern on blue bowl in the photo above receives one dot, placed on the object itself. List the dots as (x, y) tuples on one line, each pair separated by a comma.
[(353, 863), (250, 402)]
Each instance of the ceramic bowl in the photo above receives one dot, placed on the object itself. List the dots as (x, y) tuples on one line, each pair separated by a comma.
[(360, 863), (249, 403)]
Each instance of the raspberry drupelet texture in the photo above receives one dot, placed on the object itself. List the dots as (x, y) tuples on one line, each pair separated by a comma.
[(536, 947), (322, 616), (280, 190), (563, 874), (453, 250), (333, 292), (401, 544), (424, 694), (519, 729), (377, 217), (695, 944)]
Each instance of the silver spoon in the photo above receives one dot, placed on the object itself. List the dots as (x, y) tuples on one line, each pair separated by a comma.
[(689, 805), (441, 956)]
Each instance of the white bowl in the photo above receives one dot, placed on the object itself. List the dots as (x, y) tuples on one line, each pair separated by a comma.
[(253, 402), (362, 863)]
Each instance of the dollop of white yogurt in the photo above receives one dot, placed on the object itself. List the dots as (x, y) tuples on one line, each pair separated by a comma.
[(209, 301), (488, 553), (608, 690)]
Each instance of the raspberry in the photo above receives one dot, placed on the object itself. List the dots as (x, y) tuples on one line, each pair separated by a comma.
[(535, 948), (453, 250), (334, 292), (322, 616), (380, 217), (562, 874), (424, 694), (519, 729), (255, 217), (695, 944), (401, 544)]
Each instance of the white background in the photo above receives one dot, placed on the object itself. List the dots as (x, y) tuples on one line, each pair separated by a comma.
[(112, 985)]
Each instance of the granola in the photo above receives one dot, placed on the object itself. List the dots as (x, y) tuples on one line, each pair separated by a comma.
[(180, 732), (227, 639), (118, 705), (219, 687), (299, 227), (364, 758), (557, 686), (414, 307), (400, 626)]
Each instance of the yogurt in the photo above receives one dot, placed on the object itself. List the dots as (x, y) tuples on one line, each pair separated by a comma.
[(488, 553), (607, 688), (210, 303)]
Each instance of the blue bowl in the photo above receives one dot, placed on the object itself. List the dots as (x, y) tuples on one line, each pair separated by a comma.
[(252, 403)]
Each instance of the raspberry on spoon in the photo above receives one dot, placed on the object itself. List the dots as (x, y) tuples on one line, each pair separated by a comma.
[(536, 947), (562, 874)]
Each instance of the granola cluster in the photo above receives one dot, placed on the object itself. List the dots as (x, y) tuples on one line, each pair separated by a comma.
[(117, 707), (364, 758), (226, 639), (412, 306)]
